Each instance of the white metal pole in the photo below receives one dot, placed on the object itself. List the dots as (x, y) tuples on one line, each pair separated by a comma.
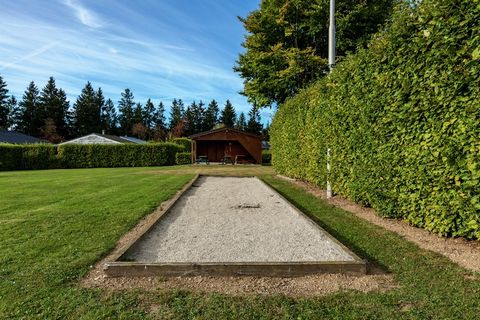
[(331, 37), (331, 63)]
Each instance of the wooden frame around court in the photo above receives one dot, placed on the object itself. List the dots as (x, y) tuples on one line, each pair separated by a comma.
[(115, 267)]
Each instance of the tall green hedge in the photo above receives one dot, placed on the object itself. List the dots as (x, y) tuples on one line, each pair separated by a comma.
[(27, 157), (185, 142), (402, 118), (117, 155)]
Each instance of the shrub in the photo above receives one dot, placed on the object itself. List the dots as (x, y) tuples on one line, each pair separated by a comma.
[(27, 157), (183, 158), (185, 142), (266, 157), (117, 155), (402, 120)]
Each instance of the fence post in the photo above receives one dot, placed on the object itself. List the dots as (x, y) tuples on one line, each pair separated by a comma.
[(329, 187)]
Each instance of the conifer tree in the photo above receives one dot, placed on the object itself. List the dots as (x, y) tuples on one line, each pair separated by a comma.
[(54, 105), (30, 113), (4, 107), (87, 111), (160, 129), (149, 114), (13, 113), (228, 116), (176, 113), (241, 123), (211, 116), (125, 107), (109, 117), (254, 125), (138, 114)]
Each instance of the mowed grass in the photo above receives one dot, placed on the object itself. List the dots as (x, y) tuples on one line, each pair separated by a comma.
[(55, 224)]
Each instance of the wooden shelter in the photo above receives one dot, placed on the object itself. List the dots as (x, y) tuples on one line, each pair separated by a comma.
[(217, 144)]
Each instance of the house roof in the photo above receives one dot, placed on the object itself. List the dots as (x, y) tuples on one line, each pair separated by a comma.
[(132, 139), (18, 138), (193, 136), (109, 137)]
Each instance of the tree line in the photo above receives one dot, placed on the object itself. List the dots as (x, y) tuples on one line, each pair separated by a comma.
[(47, 114)]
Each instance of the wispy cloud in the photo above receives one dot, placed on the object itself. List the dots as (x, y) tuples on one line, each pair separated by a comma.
[(85, 16), (155, 48), (30, 55)]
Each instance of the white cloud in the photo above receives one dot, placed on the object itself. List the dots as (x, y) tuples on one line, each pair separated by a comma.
[(85, 16)]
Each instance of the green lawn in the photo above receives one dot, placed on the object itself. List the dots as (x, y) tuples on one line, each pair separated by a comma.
[(55, 224)]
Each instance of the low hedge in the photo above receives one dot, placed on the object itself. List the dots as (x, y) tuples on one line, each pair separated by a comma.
[(27, 157), (266, 157), (185, 142), (183, 158), (401, 118), (121, 155)]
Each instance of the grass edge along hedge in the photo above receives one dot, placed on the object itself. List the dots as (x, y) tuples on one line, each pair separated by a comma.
[(402, 118)]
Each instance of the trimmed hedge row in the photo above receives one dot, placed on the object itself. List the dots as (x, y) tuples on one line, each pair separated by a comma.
[(27, 157), (121, 155), (183, 158), (23, 157), (402, 119)]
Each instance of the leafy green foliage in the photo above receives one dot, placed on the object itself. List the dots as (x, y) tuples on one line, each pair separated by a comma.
[(402, 120), (27, 157), (184, 142), (287, 43), (121, 155), (266, 157), (183, 158)]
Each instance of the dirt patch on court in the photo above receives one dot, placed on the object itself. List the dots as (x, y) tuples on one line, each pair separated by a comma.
[(463, 252), (305, 286)]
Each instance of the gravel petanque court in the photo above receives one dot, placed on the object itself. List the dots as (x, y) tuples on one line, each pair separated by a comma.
[(235, 220)]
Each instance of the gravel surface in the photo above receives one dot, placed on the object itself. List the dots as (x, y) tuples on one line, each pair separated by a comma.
[(231, 219)]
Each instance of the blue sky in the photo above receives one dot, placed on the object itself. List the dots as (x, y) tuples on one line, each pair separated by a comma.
[(160, 49)]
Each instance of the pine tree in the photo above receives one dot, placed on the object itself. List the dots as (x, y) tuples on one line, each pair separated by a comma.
[(4, 108), (189, 119), (149, 114), (13, 113), (160, 129), (228, 115), (125, 106), (266, 132), (54, 105), (109, 117), (87, 111), (211, 116), (253, 125), (241, 123), (176, 113), (30, 112), (138, 114)]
